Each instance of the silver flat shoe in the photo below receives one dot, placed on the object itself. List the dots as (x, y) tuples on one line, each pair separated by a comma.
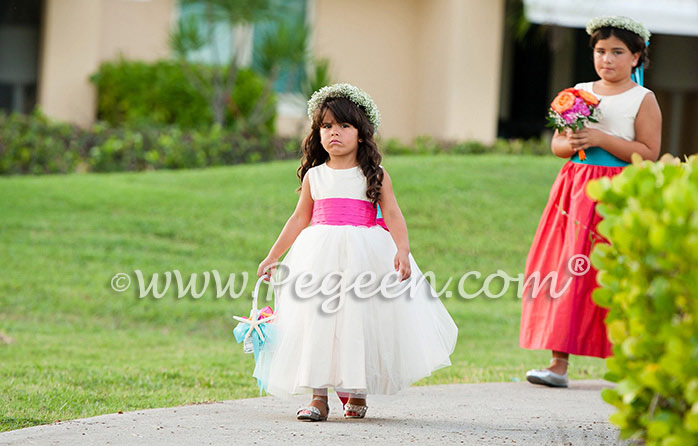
[(312, 413), (547, 378)]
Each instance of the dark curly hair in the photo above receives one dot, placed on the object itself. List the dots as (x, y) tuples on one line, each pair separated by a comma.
[(347, 112), (633, 41)]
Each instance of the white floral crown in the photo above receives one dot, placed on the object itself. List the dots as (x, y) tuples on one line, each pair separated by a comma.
[(620, 22), (355, 95)]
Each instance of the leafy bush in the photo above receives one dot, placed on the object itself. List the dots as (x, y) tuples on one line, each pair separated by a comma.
[(425, 145), (649, 282), (141, 93), (249, 88), (35, 145), (31, 144)]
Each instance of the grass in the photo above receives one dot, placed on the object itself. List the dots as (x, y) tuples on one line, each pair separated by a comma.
[(72, 347)]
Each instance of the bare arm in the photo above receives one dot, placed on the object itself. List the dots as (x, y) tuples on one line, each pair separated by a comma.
[(296, 223), (561, 146), (395, 222), (648, 135)]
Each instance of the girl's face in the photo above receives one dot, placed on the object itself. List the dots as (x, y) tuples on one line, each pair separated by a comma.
[(613, 60), (339, 139)]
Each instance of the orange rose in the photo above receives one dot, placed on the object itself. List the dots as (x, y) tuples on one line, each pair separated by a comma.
[(589, 98), (563, 102)]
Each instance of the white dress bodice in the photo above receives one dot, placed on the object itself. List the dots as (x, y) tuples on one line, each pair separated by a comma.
[(326, 182), (618, 111)]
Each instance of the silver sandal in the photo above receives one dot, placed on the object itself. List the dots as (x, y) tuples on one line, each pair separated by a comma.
[(312, 413), (359, 411)]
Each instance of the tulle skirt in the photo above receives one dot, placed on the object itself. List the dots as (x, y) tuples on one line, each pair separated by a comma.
[(571, 322), (351, 332)]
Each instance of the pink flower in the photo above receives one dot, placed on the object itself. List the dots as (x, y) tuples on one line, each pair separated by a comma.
[(569, 116), (581, 107), (579, 110)]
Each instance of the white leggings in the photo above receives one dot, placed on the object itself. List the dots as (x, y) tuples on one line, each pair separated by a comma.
[(341, 393)]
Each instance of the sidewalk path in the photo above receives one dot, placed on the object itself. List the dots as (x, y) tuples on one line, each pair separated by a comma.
[(469, 414)]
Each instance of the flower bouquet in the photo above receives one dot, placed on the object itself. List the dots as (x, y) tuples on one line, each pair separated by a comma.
[(572, 109)]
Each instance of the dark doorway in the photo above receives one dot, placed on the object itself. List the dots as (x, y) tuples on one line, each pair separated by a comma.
[(19, 54), (528, 101)]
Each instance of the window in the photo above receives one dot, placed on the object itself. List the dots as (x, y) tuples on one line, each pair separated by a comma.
[(19, 53), (244, 41)]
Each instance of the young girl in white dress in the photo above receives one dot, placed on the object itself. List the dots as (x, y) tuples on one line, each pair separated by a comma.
[(348, 318)]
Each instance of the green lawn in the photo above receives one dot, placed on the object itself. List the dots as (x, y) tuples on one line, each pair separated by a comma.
[(72, 347)]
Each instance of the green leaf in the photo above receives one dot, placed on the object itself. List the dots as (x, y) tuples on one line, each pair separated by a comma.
[(595, 189), (610, 396), (617, 330), (602, 296), (690, 422), (658, 429), (691, 392), (620, 419), (673, 441)]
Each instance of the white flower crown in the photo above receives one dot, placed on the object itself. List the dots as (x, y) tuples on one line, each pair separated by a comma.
[(620, 22), (355, 95)]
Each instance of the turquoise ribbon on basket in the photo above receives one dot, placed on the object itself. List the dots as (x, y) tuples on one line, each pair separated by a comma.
[(245, 329), (242, 328)]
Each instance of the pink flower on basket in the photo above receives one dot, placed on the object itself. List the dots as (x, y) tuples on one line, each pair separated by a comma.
[(264, 312)]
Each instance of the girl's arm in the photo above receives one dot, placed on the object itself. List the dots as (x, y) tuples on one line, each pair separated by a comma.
[(648, 135), (561, 146), (397, 226), (296, 223)]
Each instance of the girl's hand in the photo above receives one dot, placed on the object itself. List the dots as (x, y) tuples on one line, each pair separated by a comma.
[(267, 266), (402, 265), (585, 138)]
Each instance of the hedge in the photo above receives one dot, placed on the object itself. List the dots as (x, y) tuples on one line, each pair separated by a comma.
[(146, 93), (36, 145), (648, 279), (426, 145)]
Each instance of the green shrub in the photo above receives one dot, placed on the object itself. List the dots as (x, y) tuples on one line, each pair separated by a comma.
[(426, 145), (248, 90), (142, 93), (648, 279), (36, 145), (31, 144)]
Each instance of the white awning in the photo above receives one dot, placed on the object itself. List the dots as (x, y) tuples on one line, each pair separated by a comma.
[(678, 17)]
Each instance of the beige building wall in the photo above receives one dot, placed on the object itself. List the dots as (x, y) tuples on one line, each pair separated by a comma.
[(69, 54), (432, 66), (78, 35), (371, 45), (137, 29)]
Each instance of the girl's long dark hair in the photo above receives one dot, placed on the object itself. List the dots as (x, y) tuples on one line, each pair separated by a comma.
[(345, 111)]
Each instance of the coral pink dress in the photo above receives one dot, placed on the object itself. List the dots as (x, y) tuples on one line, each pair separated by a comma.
[(571, 322)]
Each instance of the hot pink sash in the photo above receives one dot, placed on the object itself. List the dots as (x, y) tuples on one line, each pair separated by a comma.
[(343, 211)]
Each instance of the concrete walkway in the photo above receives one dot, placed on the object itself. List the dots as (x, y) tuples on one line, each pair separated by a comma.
[(470, 414)]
